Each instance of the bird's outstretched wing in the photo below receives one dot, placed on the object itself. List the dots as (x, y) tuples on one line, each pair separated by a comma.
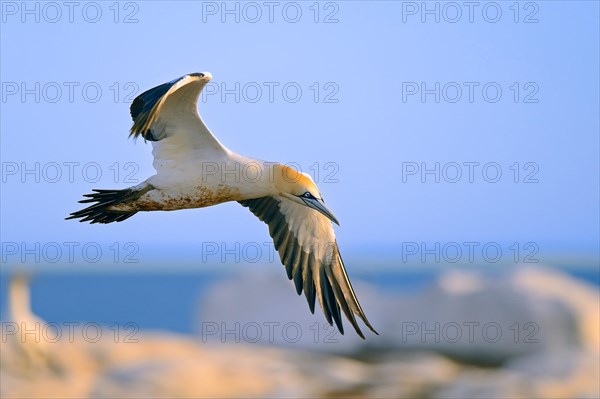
[(306, 243), (168, 115)]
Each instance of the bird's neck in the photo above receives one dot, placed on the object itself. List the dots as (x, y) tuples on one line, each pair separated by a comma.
[(251, 177)]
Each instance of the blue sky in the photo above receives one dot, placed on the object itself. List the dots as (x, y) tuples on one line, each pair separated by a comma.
[(517, 96)]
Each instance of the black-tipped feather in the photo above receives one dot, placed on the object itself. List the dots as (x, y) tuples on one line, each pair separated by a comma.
[(289, 256), (343, 304), (104, 199), (297, 272), (141, 110), (329, 300), (309, 287), (148, 99)]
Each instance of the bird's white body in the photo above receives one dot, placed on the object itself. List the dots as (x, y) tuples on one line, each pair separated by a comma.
[(204, 181)]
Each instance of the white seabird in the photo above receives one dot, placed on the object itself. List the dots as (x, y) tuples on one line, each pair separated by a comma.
[(194, 170)]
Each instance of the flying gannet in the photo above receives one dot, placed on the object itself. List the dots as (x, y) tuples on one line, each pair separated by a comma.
[(194, 170)]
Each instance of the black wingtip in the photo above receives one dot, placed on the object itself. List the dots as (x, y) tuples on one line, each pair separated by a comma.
[(360, 334), (359, 331), (372, 329), (298, 280), (364, 319), (145, 101), (367, 323)]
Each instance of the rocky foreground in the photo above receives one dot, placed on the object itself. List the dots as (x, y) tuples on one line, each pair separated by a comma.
[(530, 333)]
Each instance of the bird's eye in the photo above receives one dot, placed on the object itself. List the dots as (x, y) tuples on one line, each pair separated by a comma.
[(307, 194)]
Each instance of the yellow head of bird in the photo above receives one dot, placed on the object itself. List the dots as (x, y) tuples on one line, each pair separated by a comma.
[(300, 188)]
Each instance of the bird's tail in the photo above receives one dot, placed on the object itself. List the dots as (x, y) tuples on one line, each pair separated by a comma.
[(105, 199)]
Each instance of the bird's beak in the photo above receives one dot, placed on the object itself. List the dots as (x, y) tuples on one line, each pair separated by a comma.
[(319, 205)]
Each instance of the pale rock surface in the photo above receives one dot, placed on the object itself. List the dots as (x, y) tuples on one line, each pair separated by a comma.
[(564, 363)]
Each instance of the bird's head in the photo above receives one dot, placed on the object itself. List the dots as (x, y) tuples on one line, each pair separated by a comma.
[(300, 188)]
